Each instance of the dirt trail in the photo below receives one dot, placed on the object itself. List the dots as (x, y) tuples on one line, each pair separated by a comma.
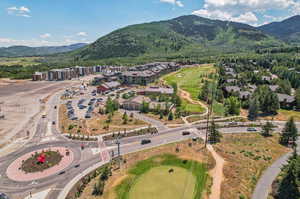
[(217, 174), (187, 96)]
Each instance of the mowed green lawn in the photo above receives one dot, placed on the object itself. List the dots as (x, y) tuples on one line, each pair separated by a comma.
[(189, 79), (150, 179), (158, 183)]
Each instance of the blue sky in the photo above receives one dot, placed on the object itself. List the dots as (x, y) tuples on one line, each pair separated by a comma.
[(60, 22)]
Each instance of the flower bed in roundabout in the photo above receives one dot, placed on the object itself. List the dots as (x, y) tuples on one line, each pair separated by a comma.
[(41, 161), (40, 164)]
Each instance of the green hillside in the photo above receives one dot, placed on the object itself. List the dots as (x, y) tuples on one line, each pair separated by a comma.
[(186, 35), (287, 30)]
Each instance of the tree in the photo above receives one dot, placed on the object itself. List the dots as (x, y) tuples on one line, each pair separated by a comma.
[(161, 115), (170, 116), (144, 107), (289, 133), (290, 183), (267, 129), (268, 100), (214, 135), (232, 106), (125, 118), (253, 109), (298, 98)]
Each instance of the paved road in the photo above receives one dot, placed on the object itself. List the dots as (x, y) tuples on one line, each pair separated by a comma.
[(263, 186), (42, 139)]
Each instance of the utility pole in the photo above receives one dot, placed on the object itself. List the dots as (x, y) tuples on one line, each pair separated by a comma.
[(210, 109), (119, 151)]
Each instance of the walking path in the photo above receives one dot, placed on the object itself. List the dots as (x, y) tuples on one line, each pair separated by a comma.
[(187, 96), (216, 173)]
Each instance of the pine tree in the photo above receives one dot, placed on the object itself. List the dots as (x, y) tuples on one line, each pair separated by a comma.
[(214, 135), (253, 109), (267, 129), (125, 118), (170, 116), (298, 98), (289, 133)]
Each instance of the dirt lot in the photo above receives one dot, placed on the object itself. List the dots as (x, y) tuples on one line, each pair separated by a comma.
[(97, 124), (246, 156), (196, 152)]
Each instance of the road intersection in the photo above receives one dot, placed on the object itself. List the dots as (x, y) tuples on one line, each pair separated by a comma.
[(48, 135)]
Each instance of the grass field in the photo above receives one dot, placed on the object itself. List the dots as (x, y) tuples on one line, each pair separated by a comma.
[(246, 156), (24, 61), (188, 182), (189, 79), (177, 185)]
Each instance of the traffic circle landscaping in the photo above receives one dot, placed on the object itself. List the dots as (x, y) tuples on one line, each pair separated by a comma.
[(40, 164)]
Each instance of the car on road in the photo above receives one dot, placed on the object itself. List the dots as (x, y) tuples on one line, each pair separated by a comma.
[(186, 133), (195, 139), (233, 123), (55, 107), (53, 122), (251, 129), (62, 172), (145, 141)]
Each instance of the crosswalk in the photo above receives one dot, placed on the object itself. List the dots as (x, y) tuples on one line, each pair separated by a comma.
[(103, 151)]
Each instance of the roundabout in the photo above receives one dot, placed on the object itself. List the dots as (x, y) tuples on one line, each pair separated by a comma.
[(40, 164)]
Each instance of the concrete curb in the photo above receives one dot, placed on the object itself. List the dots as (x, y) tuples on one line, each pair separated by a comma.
[(65, 191)]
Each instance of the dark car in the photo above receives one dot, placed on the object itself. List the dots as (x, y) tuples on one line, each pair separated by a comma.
[(53, 123), (251, 129), (185, 133), (146, 141)]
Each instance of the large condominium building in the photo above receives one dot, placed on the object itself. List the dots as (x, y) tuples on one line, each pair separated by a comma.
[(147, 73)]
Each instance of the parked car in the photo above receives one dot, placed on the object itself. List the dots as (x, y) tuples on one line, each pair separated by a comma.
[(74, 118), (233, 123), (251, 129), (195, 139), (185, 133), (145, 141), (87, 116), (53, 122)]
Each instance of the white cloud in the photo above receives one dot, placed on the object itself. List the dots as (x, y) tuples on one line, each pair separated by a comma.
[(83, 34), (19, 11), (245, 11), (46, 35), (5, 42), (173, 2)]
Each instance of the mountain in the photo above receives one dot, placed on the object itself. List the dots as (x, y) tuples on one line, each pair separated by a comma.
[(23, 51), (182, 36), (287, 30)]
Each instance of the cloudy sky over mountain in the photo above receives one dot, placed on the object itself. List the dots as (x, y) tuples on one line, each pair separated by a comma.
[(60, 22)]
